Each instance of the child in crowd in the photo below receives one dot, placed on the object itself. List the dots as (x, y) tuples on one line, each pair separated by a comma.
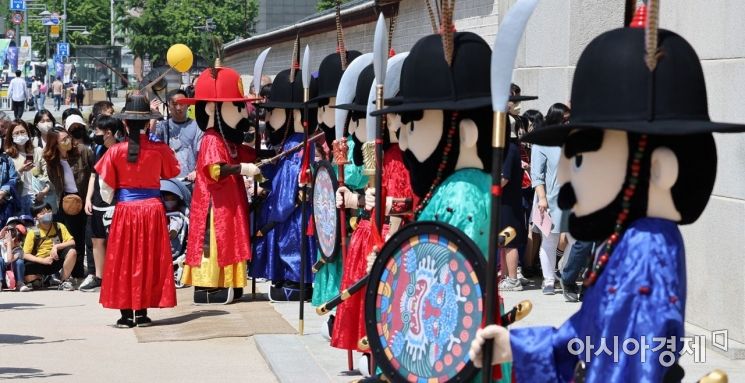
[(49, 248), (11, 261)]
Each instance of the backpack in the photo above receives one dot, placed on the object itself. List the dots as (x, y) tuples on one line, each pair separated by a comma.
[(80, 90), (38, 238)]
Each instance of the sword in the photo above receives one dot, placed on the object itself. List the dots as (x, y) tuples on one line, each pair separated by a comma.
[(502, 62), (380, 64)]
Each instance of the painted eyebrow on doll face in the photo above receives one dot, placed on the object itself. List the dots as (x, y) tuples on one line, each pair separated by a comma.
[(588, 140)]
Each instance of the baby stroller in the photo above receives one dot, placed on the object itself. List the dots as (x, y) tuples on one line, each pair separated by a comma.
[(177, 199)]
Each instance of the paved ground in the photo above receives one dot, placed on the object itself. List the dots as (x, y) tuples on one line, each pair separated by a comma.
[(56, 336)]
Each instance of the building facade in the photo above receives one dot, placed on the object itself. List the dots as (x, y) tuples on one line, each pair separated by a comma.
[(556, 35), (277, 13)]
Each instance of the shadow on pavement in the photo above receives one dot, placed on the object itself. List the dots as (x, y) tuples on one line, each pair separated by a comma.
[(10, 373), (27, 339), (8, 306), (188, 317)]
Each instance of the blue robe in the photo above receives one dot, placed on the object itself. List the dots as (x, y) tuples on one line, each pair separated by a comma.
[(277, 255), (640, 295)]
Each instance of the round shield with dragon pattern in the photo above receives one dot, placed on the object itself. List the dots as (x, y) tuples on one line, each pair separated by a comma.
[(423, 304), (325, 214)]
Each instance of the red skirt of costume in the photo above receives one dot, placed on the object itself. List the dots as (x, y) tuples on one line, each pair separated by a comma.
[(139, 269), (349, 325)]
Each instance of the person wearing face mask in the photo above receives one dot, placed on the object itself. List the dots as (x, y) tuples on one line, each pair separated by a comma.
[(43, 122), (49, 248), (78, 129), (69, 169), (8, 181), (33, 186), (101, 212)]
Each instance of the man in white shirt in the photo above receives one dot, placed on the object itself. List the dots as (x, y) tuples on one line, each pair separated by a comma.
[(35, 93), (17, 94)]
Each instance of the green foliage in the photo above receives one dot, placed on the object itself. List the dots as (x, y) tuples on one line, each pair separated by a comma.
[(152, 26), (327, 4), (93, 14)]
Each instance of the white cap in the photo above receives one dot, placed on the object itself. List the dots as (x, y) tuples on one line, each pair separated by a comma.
[(74, 119)]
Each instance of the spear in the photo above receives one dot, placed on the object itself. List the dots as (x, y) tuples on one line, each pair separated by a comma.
[(304, 180), (502, 64), (380, 64)]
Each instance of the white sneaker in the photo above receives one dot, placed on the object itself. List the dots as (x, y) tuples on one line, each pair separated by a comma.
[(509, 284), (520, 276), (24, 288)]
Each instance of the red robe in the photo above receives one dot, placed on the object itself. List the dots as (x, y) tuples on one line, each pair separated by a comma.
[(229, 201), (139, 269), (349, 325)]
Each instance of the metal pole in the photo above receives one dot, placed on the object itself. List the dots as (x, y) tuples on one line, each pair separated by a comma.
[(64, 19), (46, 78), (111, 56)]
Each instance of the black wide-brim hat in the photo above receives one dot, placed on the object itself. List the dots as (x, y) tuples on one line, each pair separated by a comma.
[(329, 74), (427, 82), (614, 89), (137, 107), (362, 91), (286, 95)]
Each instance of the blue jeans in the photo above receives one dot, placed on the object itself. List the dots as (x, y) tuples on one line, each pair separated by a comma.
[(57, 101), (19, 271), (27, 202), (42, 100), (579, 256)]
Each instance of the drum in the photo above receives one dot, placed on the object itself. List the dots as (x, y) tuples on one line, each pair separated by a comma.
[(325, 214), (423, 304)]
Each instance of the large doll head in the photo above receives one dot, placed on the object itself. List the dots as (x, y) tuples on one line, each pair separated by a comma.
[(357, 125), (639, 142), (284, 108), (445, 110), (329, 76), (220, 103)]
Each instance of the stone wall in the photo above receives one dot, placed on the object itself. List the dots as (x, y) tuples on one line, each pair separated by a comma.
[(556, 35)]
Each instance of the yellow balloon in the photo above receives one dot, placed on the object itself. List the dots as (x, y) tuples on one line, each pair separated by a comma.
[(179, 57)]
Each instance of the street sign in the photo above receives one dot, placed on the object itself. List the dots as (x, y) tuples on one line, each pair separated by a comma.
[(9, 34), (17, 18), (63, 49), (54, 18), (17, 5), (54, 31)]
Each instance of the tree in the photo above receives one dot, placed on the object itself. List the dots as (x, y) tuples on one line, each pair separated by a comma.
[(152, 26), (327, 4), (93, 14)]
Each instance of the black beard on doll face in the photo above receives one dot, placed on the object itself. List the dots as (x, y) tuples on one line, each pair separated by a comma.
[(424, 173)]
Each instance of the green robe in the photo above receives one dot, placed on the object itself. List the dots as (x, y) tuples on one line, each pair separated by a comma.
[(463, 201), (328, 278)]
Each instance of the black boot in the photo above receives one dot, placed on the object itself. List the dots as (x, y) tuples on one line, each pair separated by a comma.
[(213, 296), (141, 318), (127, 319)]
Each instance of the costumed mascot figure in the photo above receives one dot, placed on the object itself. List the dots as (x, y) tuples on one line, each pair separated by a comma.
[(139, 271), (277, 255), (328, 277), (349, 325), (218, 244), (638, 159), (444, 107)]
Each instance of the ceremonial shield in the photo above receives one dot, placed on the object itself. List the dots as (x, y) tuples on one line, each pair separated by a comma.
[(325, 214), (423, 304)]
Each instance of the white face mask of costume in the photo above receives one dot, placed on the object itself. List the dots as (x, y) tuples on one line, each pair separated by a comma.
[(327, 114)]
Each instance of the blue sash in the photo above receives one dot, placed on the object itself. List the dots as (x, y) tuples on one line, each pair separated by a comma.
[(135, 194)]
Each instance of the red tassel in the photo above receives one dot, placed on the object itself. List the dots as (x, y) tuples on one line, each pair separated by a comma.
[(640, 17), (311, 227)]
